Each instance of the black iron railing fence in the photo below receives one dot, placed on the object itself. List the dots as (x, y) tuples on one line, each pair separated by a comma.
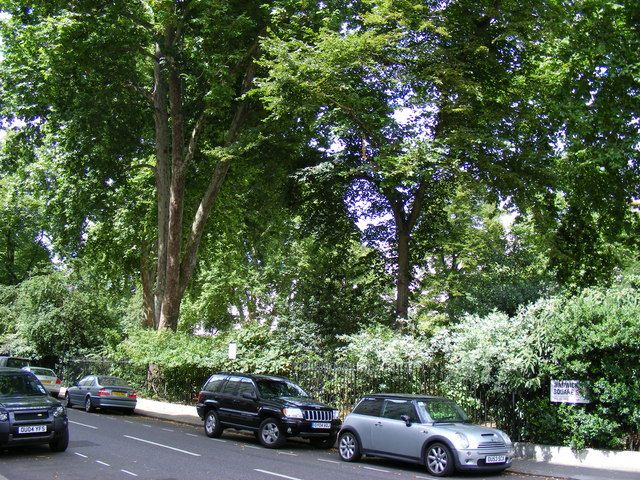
[(339, 385)]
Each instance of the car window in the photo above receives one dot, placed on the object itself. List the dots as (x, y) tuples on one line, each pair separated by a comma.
[(369, 406), (42, 371), (272, 388), (20, 384), (231, 387), (442, 411), (395, 409), (87, 381), (214, 383), (17, 362), (246, 386), (112, 381)]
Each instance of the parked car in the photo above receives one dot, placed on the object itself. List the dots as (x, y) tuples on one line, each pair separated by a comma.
[(102, 391), (48, 378), (432, 431), (274, 408), (13, 362), (28, 414)]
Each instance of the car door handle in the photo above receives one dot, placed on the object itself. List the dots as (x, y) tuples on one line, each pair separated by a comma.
[(377, 424)]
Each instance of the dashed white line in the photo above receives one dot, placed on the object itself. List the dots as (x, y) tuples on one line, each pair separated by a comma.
[(129, 473), (167, 430), (83, 425), (163, 446), (216, 440), (192, 434), (376, 469), (148, 426), (80, 455), (328, 461), (274, 474), (128, 421), (252, 446), (102, 463), (288, 453)]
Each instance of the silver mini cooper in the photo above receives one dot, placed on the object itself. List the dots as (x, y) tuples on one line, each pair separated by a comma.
[(432, 431)]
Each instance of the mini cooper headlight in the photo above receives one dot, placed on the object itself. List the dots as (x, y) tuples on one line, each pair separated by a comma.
[(59, 411), (463, 440), (292, 412), (4, 415)]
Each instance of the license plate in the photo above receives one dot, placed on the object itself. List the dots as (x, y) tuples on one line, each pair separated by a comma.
[(323, 425), (33, 429), (495, 459), (118, 394)]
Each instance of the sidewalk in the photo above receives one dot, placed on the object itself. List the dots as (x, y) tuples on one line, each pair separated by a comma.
[(602, 468)]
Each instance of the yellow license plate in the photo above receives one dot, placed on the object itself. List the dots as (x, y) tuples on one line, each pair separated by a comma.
[(118, 394), (46, 382)]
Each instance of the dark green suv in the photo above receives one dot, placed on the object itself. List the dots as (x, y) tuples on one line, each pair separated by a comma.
[(28, 414)]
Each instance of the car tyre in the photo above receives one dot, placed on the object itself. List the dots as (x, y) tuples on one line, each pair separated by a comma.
[(323, 442), (88, 405), (61, 442), (212, 426), (349, 447), (67, 400), (439, 460), (270, 433)]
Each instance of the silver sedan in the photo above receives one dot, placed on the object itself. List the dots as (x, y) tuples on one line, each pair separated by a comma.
[(102, 391)]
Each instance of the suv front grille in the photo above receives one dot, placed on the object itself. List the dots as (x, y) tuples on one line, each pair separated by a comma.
[(318, 415), (491, 445), (25, 416)]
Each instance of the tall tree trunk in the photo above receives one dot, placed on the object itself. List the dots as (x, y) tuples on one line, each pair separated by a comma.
[(403, 280), (163, 175), (147, 288), (172, 294)]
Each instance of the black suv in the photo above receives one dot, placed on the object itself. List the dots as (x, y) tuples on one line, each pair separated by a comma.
[(274, 408), (28, 414)]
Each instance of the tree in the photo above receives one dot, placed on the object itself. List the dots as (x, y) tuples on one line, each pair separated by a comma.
[(408, 97), (112, 87)]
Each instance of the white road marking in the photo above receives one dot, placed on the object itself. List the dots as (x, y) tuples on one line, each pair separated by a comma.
[(148, 426), (376, 469), (253, 446), (102, 463), (80, 455), (288, 453), (128, 421), (192, 434), (274, 474), (328, 461), (129, 473), (83, 425), (216, 440), (163, 446), (167, 430)]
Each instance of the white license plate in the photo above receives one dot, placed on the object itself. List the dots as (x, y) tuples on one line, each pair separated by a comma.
[(33, 429), (323, 425), (495, 459)]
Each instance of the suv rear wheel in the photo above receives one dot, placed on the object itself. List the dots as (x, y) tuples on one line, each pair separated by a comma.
[(212, 425), (270, 433)]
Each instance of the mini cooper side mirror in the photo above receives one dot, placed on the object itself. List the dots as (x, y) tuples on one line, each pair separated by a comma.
[(406, 419)]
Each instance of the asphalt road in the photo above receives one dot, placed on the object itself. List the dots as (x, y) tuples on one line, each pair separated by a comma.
[(113, 446)]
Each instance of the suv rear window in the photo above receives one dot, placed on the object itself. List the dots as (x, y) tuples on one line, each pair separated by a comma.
[(214, 383), (369, 406)]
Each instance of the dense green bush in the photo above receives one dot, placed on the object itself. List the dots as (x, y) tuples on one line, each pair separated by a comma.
[(593, 337)]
